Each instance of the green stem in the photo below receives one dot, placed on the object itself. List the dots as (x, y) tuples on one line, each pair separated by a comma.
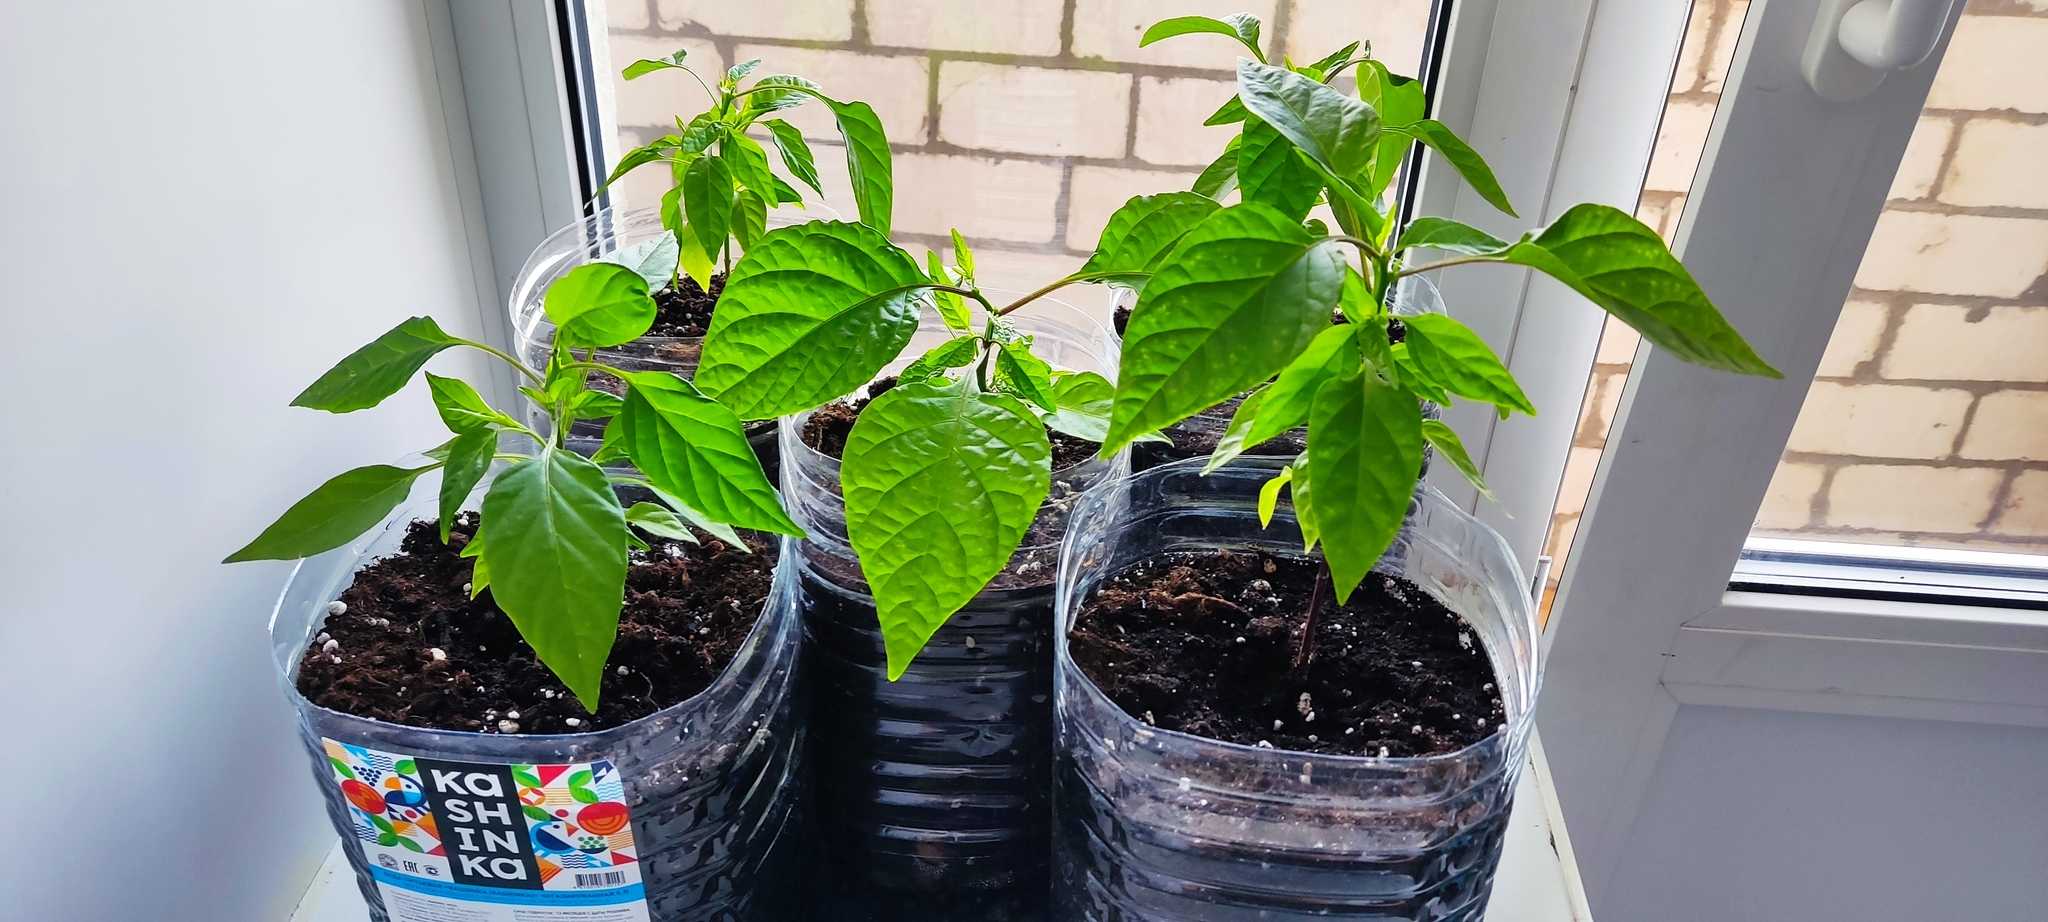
[(1075, 279), (515, 363), (1445, 264)]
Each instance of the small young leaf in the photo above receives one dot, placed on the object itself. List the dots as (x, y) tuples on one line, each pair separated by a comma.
[(738, 72), (1269, 495), (1233, 441), (749, 164), (1231, 112), (1236, 300), (1082, 403), (867, 162), (1271, 171), (796, 152), (1448, 355), (707, 201), (599, 304), (777, 92), (786, 194), (811, 313), (1333, 129), (957, 352), (703, 523), (557, 541), (1220, 176), (469, 457), (1242, 26), (963, 256), (1141, 233), (378, 370), (1026, 375), (480, 572), (656, 520), (462, 408), (1446, 234), (333, 515), (698, 135), (1365, 455), (952, 309), (1333, 59), (595, 405), (694, 448), (1399, 101), (941, 483), (645, 66), (1461, 157), (655, 259), (1447, 444), (1247, 28)]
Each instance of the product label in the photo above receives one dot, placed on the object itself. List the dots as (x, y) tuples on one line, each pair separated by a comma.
[(481, 842)]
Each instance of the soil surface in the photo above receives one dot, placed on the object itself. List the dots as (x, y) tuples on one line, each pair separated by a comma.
[(1120, 318), (828, 426), (412, 648), (684, 309), (1203, 642)]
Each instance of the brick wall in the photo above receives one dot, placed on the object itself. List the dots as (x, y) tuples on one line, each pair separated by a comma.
[(1024, 123)]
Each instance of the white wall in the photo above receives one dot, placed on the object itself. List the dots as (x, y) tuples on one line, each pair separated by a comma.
[(1776, 815), (202, 206)]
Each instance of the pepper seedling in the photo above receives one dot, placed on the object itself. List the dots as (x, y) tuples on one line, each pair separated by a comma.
[(553, 535), (1242, 297), (723, 186)]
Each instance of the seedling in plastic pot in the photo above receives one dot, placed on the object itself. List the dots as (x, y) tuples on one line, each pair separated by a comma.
[(553, 535), (1241, 298), (723, 186)]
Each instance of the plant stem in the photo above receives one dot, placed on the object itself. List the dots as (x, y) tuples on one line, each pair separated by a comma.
[(1445, 264), (515, 363), (1076, 278), (1305, 645)]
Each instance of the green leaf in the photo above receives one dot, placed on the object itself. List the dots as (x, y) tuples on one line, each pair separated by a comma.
[(595, 405), (1364, 455), (645, 66), (738, 72), (867, 162), (809, 314), (480, 572), (749, 217), (696, 262), (796, 152), (1334, 58), (333, 515), (1082, 402), (1271, 171), (1399, 101), (1242, 26), (1448, 355), (698, 136), (777, 92), (654, 259), (1446, 234), (1333, 129), (1141, 233), (1231, 112), (1026, 375), (957, 352), (641, 156), (786, 194), (599, 304), (963, 256), (703, 523), (951, 308), (1622, 265), (462, 408), (941, 483), (469, 459), (1461, 157), (1448, 444), (378, 370), (557, 540), (535, 813), (1233, 441), (1238, 299), (1269, 495), (695, 449), (707, 201), (1290, 398), (657, 520), (1220, 176), (749, 164)]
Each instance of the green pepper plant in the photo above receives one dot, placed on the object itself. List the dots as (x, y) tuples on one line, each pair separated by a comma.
[(723, 185), (553, 535), (1243, 299)]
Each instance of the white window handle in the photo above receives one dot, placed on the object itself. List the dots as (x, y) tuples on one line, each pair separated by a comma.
[(1854, 43)]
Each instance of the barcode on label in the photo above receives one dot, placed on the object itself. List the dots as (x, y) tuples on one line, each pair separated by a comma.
[(605, 879)]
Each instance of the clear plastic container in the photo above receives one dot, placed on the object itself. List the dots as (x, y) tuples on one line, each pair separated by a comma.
[(587, 241), (936, 786), (713, 784), (1159, 825)]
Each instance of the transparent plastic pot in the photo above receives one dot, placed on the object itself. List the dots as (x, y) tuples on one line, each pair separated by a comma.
[(937, 784), (713, 784), (590, 240), (1197, 435), (1159, 825)]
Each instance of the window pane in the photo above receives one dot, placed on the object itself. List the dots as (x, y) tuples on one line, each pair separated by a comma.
[(1927, 425)]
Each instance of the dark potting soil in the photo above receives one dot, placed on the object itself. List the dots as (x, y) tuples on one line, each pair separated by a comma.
[(828, 427), (1120, 318), (1203, 642), (412, 648), (685, 308)]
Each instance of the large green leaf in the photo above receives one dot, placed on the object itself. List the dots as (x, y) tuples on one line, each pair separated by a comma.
[(1333, 129), (333, 515), (696, 450), (1446, 234), (1241, 26), (867, 162), (749, 164), (808, 315), (599, 304), (378, 370), (556, 546), (1141, 233), (1364, 456), (1448, 355), (1622, 265), (462, 408), (1238, 299), (1461, 157), (1399, 101), (941, 483), (1271, 171), (707, 201), (777, 92), (796, 152), (469, 457)]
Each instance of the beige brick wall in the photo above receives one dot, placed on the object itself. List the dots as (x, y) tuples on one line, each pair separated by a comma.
[(1024, 123)]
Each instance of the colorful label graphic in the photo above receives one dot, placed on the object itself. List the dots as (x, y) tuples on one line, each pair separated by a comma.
[(479, 842)]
